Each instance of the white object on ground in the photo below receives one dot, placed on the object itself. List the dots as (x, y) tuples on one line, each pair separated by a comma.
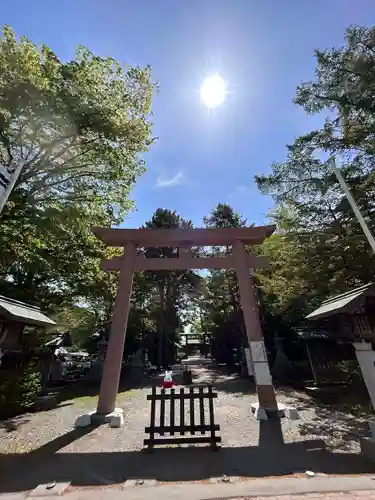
[(115, 412), (260, 414), (280, 408), (291, 413), (310, 473), (117, 420), (84, 420)]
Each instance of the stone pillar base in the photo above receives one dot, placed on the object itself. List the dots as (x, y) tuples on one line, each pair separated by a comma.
[(261, 413), (115, 418)]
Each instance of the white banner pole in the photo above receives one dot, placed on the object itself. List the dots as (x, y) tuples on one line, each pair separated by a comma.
[(353, 204)]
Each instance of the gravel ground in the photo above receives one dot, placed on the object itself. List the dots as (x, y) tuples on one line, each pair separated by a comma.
[(340, 431), (249, 448)]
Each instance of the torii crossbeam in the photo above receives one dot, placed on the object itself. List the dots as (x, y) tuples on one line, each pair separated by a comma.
[(239, 260)]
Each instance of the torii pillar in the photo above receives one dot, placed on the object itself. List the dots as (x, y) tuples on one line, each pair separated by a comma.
[(115, 347), (263, 380)]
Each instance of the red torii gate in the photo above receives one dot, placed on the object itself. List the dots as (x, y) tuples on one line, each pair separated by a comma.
[(184, 239)]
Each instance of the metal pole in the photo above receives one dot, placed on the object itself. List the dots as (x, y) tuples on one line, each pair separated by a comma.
[(10, 187), (353, 204), (311, 363)]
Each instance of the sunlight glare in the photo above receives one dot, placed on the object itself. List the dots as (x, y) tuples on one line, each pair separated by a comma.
[(213, 91)]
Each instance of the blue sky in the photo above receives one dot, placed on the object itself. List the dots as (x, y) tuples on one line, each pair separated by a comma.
[(262, 48)]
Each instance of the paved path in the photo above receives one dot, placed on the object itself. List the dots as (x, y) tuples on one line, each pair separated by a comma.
[(47, 448), (338, 495), (333, 488)]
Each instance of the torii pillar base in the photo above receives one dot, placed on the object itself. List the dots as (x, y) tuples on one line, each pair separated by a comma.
[(267, 413), (114, 418)]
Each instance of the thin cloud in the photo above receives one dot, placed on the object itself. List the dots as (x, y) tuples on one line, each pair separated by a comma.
[(239, 191), (242, 190), (164, 182)]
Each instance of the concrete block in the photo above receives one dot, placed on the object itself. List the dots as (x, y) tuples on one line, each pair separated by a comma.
[(116, 420), (104, 418), (368, 448), (291, 413), (49, 490), (116, 411), (83, 420), (280, 412), (260, 414)]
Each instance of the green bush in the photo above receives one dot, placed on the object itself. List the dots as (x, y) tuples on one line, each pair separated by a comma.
[(18, 389)]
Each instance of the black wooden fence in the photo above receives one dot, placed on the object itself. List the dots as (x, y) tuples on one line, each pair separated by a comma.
[(186, 419)]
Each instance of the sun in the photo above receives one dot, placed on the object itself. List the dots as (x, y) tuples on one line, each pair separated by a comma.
[(213, 91)]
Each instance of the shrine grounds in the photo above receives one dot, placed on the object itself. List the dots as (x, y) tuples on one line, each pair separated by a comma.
[(41, 447)]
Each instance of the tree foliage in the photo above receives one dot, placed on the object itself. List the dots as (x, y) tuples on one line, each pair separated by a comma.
[(170, 289), (78, 130), (327, 250), (220, 306)]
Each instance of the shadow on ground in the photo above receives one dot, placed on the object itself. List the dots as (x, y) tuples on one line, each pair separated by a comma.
[(12, 424), (334, 418), (338, 427), (272, 457), (85, 388), (222, 377)]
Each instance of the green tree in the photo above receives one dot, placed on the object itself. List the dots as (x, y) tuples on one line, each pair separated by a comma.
[(170, 289), (329, 251), (284, 285), (221, 309), (223, 215), (78, 129)]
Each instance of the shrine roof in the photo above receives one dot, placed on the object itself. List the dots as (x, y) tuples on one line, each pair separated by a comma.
[(345, 303), (16, 310)]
